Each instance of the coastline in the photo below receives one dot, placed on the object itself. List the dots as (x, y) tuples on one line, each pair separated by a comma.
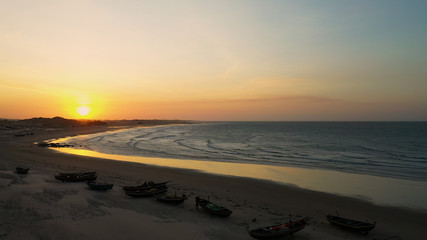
[(375, 189), (380, 190), (265, 201)]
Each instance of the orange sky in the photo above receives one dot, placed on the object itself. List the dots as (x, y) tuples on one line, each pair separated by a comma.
[(213, 61)]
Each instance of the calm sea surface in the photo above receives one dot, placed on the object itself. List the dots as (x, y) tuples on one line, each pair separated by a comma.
[(387, 149)]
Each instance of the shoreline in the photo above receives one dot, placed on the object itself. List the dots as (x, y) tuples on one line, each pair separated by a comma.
[(327, 181), (379, 190), (250, 199)]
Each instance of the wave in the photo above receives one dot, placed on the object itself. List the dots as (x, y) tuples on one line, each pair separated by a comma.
[(321, 145)]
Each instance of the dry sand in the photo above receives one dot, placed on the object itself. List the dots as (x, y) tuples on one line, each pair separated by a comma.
[(36, 206)]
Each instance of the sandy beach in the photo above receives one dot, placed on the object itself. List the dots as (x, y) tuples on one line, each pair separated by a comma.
[(37, 206)]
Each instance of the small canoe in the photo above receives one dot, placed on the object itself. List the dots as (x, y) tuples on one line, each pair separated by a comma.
[(76, 177), (145, 192), (78, 174), (20, 170), (280, 230), (99, 186), (349, 224), (212, 208), (171, 199), (146, 185)]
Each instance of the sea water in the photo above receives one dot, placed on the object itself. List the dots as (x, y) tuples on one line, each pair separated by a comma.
[(385, 162), (389, 149)]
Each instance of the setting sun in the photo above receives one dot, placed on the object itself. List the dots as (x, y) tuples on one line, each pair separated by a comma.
[(83, 110)]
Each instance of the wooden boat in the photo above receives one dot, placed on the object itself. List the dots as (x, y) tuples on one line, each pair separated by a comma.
[(171, 199), (279, 230), (99, 186), (20, 170), (146, 185), (78, 174), (76, 177), (212, 208), (349, 224), (145, 192)]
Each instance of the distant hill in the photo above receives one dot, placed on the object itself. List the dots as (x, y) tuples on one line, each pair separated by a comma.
[(60, 122)]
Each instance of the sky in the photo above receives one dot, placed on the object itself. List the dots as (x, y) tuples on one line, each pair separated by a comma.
[(214, 60)]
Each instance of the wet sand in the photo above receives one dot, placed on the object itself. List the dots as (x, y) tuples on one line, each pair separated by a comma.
[(37, 206)]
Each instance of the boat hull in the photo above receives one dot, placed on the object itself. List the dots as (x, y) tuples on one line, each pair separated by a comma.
[(212, 208), (277, 231), (78, 174), (146, 192), (99, 186), (76, 177), (20, 170), (351, 225), (170, 199), (146, 186)]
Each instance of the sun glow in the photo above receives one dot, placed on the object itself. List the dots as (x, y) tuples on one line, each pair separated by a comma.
[(83, 111)]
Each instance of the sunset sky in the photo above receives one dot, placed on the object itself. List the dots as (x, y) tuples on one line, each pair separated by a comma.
[(214, 60)]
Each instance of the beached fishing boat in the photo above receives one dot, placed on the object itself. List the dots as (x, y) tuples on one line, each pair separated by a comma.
[(20, 170), (349, 224), (212, 208), (78, 174), (146, 185), (145, 192), (171, 199), (279, 230), (76, 177), (99, 186)]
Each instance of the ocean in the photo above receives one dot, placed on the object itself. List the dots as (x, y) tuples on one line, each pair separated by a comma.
[(387, 149), (381, 162)]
